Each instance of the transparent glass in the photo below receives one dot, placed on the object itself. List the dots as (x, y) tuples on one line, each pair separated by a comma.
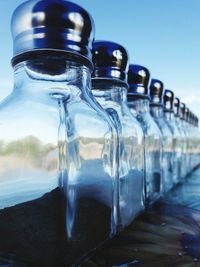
[(113, 98), (167, 142), (187, 145), (58, 171), (193, 144), (177, 155), (183, 144), (152, 149), (197, 145)]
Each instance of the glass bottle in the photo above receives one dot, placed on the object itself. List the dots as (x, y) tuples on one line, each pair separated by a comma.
[(177, 111), (189, 134), (58, 174), (109, 84), (196, 124), (186, 139), (138, 101), (194, 140), (169, 118), (156, 110)]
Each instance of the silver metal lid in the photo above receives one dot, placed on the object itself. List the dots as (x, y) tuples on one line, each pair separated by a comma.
[(52, 25), (110, 61), (138, 80), (177, 106), (168, 101), (156, 92)]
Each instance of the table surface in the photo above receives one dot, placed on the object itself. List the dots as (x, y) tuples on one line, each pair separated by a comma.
[(167, 235)]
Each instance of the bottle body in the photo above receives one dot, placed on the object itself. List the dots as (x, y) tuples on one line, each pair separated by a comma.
[(130, 150), (183, 144), (169, 118), (167, 142), (58, 169), (152, 149)]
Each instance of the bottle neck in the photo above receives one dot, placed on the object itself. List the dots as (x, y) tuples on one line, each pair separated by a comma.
[(110, 90), (169, 116), (140, 105), (156, 111), (51, 75), (177, 119)]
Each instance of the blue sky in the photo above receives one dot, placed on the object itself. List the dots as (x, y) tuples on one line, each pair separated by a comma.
[(163, 35)]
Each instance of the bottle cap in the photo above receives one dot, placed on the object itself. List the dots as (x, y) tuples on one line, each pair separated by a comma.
[(138, 80), (168, 100), (177, 106), (156, 92), (110, 61), (187, 114), (182, 111), (56, 25)]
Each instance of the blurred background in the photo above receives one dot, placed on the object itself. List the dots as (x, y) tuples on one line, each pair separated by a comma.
[(164, 36)]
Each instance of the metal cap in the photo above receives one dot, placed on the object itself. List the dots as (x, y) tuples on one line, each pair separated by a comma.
[(138, 80), (182, 110), (156, 92), (52, 25), (190, 119), (196, 121), (168, 100), (177, 106), (110, 60), (187, 111)]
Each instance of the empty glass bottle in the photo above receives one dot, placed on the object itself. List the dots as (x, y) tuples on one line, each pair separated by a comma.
[(58, 174), (189, 135), (138, 100), (169, 117), (197, 143), (186, 138), (156, 110), (183, 143), (194, 142), (109, 84)]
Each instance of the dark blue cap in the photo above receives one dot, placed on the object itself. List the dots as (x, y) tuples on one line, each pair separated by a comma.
[(168, 101), (138, 80), (177, 106), (56, 25), (110, 60), (156, 92), (187, 111), (182, 111)]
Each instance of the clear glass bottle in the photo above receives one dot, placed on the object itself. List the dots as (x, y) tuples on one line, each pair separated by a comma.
[(189, 134), (177, 114), (194, 140), (197, 140), (109, 84), (186, 139), (196, 125), (58, 174), (138, 101), (156, 110), (169, 118)]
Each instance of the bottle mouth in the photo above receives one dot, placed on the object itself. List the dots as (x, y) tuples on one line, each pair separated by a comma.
[(43, 54)]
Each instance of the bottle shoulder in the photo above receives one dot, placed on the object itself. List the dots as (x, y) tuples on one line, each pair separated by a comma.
[(49, 111)]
